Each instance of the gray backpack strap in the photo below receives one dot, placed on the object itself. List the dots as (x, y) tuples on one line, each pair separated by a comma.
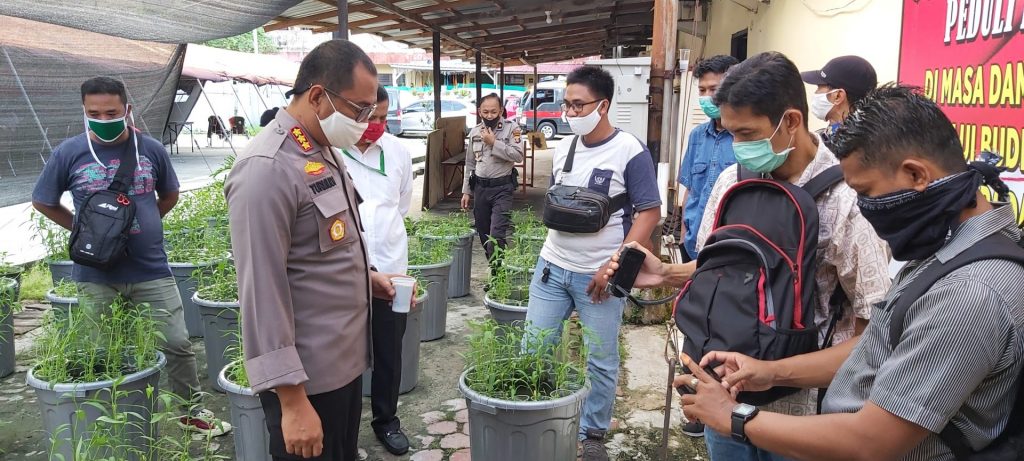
[(824, 181)]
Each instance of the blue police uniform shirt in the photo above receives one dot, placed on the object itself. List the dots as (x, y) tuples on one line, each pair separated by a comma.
[(708, 153)]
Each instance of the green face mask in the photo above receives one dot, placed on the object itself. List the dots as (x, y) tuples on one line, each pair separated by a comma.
[(759, 156), (107, 130)]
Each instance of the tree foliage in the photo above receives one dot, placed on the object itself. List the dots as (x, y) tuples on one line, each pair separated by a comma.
[(243, 42)]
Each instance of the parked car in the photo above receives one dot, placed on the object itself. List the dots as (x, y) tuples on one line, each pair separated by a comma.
[(418, 117), (396, 100)]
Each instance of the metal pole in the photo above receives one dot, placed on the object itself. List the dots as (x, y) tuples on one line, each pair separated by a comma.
[(342, 31), (479, 88), (437, 76), (534, 98), (501, 82), (264, 101), (28, 101), (662, 50)]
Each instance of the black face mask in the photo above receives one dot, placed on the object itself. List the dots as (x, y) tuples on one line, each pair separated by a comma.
[(491, 123), (916, 224)]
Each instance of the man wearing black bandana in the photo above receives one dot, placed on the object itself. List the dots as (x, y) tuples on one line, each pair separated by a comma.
[(944, 382)]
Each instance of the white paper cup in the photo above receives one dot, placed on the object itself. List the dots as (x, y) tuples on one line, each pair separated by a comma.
[(403, 294)]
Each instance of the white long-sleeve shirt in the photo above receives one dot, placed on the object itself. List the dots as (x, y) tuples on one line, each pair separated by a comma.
[(383, 176)]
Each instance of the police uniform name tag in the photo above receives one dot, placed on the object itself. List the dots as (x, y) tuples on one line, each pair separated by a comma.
[(478, 147)]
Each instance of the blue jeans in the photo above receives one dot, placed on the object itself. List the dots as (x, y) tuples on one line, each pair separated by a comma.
[(724, 448), (551, 303)]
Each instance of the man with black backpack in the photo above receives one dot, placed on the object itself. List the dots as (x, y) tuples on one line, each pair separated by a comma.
[(122, 184), (937, 374), (786, 263)]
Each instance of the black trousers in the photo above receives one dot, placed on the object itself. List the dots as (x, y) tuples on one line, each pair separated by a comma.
[(388, 330), (492, 212), (339, 412)]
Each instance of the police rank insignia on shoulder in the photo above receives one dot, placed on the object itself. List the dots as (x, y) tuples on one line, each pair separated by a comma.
[(337, 230), (300, 138), (517, 133), (314, 168)]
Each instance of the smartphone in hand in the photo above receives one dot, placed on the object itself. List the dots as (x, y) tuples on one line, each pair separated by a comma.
[(630, 262)]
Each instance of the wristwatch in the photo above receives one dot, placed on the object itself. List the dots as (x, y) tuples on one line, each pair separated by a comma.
[(742, 413)]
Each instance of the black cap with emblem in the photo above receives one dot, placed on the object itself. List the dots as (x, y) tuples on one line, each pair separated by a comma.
[(851, 73)]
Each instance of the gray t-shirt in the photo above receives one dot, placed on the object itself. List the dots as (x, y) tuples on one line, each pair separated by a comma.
[(960, 353), (72, 168)]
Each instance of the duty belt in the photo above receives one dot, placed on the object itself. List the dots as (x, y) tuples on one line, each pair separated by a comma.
[(492, 182)]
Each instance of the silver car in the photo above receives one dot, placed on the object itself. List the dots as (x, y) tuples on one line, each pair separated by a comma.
[(418, 117)]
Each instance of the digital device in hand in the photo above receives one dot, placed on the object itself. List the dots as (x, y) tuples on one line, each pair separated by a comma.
[(686, 389), (630, 261)]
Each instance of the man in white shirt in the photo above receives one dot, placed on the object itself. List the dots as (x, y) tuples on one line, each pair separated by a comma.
[(381, 169)]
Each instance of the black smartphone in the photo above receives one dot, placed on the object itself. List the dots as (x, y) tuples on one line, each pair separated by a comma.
[(630, 262), (686, 389)]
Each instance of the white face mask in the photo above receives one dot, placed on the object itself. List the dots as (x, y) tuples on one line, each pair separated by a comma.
[(341, 130), (582, 126), (821, 106)]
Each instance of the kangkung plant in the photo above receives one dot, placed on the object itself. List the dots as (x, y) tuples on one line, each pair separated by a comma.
[(66, 289), (196, 230), (219, 283), (93, 344), (8, 300), (524, 363), (455, 225), (426, 252), (53, 237)]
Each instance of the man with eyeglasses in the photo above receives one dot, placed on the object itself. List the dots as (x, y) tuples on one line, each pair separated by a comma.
[(495, 146), (304, 282)]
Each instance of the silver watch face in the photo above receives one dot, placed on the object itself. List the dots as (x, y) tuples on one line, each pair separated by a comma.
[(744, 409)]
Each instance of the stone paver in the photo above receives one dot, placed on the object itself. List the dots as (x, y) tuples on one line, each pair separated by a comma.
[(442, 428), (429, 455), (461, 455), (425, 440), (456, 441), (462, 416), (455, 404), (432, 417), (465, 429)]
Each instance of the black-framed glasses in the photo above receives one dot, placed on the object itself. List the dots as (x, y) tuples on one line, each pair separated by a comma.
[(578, 106), (362, 112)]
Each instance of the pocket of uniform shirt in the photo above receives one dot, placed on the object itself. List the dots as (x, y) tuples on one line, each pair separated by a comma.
[(600, 181), (336, 226)]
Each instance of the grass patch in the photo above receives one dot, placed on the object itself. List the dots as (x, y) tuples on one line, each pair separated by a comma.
[(36, 282)]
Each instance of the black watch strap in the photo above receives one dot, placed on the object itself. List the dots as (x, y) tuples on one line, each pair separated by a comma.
[(739, 422)]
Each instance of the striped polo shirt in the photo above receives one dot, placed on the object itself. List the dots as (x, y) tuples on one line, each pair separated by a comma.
[(961, 349)]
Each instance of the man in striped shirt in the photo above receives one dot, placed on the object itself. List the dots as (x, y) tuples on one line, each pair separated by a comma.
[(960, 353)]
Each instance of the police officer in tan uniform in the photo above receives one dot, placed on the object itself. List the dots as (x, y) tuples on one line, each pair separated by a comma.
[(303, 278), (495, 146)]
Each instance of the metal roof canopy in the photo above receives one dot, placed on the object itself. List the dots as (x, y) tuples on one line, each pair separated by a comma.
[(504, 31)]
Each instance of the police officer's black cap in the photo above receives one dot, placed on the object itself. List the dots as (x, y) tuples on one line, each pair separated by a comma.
[(851, 73)]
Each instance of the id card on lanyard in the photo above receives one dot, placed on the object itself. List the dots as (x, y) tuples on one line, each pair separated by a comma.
[(379, 170)]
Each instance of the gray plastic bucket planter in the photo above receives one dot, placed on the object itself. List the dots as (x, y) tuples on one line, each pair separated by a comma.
[(61, 306), (504, 430), (410, 351), (252, 441), (15, 273), (220, 325), (59, 404), (435, 310), (60, 270), (462, 263), (8, 286), (505, 314), (186, 288)]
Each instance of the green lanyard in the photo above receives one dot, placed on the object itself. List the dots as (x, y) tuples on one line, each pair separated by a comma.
[(381, 170)]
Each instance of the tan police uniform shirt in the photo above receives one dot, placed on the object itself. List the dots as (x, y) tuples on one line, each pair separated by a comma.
[(493, 161), (303, 276)]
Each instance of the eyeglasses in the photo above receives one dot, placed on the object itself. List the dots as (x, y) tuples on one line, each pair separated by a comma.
[(577, 106), (362, 112)]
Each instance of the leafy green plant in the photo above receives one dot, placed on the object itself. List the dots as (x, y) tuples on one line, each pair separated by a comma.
[(8, 299), (36, 282), (85, 348), (196, 230), (53, 237), (236, 362), (514, 362), (453, 226), (66, 289), (7, 268), (425, 252), (219, 283)]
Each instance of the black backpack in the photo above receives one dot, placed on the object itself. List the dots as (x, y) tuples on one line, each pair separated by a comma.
[(754, 290), (1009, 446), (99, 237)]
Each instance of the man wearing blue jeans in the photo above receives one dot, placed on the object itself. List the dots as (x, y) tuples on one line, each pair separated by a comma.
[(569, 273)]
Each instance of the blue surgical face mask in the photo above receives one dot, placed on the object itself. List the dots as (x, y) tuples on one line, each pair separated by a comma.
[(709, 107), (759, 156)]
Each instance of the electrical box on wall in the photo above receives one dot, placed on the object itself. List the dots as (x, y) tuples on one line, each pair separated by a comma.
[(630, 106)]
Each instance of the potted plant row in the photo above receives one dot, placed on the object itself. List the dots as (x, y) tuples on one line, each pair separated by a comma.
[(217, 300), (430, 262), (457, 231), (8, 304), (524, 388), (102, 369), (252, 441), (196, 239), (55, 240)]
